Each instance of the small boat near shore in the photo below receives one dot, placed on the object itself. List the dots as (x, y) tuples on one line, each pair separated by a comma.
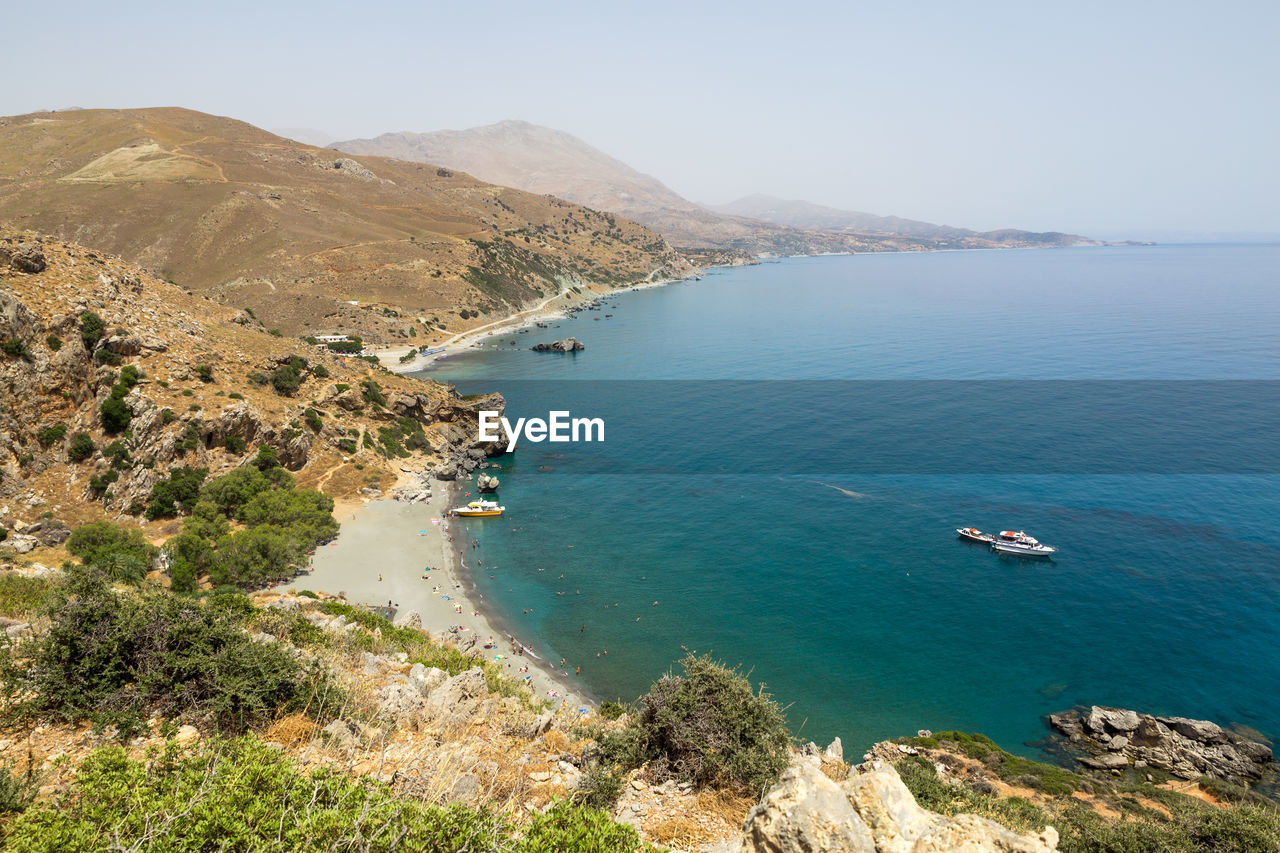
[(973, 534), (479, 509), (1019, 544)]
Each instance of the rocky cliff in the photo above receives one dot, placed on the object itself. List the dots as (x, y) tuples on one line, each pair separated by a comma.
[(110, 378)]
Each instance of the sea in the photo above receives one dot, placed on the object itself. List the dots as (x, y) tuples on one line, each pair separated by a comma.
[(789, 447)]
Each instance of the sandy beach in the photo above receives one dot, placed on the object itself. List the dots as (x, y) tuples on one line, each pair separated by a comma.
[(549, 309), (381, 556)]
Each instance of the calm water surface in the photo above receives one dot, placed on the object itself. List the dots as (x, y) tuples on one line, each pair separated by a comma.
[(843, 587)]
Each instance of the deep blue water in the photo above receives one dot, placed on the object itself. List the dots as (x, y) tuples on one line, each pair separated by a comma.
[(825, 560)]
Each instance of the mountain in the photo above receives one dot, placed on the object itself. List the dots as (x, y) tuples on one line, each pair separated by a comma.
[(804, 214), (542, 160), (310, 240)]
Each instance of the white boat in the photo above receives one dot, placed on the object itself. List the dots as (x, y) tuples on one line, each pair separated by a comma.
[(1019, 544), (973, 534), (479, 508)]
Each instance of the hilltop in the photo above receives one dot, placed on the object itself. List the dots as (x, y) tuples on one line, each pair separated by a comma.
[(804, 214), (544, 160), (310, 239)]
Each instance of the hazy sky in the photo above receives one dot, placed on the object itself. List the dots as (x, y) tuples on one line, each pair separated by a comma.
[(1112, 119)]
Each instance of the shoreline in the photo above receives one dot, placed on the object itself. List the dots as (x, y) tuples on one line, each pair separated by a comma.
[(381, 556), (512, 323)]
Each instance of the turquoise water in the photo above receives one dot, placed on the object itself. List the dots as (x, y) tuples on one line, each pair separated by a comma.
[(777, 525)]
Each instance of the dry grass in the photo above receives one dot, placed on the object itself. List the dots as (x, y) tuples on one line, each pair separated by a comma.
[(293, 729)]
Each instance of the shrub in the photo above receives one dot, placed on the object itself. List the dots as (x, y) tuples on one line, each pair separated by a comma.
[(91, 329), (312, 417), (119, 554), (115, 414), (53, 342), (106, 356), (286, 380), (347, 445), (235, 395), (612, 710), (710, 728), (177, 493), (267, 458), (259, 378), (117, 454), (99, 483), (203, 372), (319, 371), (234, 444), (81, 447), (130, 376), (167, 416), (15, 348), (115, 658), (275, 333), (353, 345), (51, 434), (372, 392)]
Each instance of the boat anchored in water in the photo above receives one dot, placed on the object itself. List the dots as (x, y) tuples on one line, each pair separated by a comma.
[(973, 534), (1019, 544), (477, 509)]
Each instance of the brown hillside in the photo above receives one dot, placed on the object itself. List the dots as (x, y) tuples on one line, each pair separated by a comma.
[(206, 398), (298, 233)]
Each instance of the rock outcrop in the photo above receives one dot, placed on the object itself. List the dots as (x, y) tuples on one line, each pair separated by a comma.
[(1116, 738), (487, 483), (871, 811), (567, 345)]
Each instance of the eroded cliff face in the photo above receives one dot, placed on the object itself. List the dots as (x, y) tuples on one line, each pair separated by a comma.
[(110, 378)]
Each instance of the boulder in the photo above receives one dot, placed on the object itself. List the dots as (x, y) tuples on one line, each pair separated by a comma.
[(28, 258), (342, 733), (872, 810), (21, 543), (566, 345), (487, 483), (1201, 731), (456, 700), (1111, 719), (834, 751)]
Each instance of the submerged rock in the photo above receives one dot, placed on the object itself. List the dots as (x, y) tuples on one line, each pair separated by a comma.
[(567, 345)]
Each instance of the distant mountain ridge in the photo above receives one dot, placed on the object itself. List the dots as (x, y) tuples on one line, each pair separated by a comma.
[(805, 214), (544, 160)]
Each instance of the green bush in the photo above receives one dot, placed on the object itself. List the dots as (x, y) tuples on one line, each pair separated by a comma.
[(286, 380), (319, 371), (234, 444), (22, 596), (53, 342), (240, 795), (708, 728), (259, 378), (177, 493), (347, 445), (115, 659), (51, 434), (275, 333), (15, 348), (267, 458), (372, 392), (312, 417), (352, 345), (106, 356), (167, 416), (612, 710), (91, 329), (99, 483), (130, 376), (81, 447), (203, 372), (119, 554), (115, 414), (117, 454)]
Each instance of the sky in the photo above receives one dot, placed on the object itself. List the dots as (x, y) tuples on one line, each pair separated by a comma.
[(1119, 119)]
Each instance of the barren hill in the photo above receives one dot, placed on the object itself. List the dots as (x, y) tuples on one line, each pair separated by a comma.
[(311, 240), (804, 214), (543, 160)]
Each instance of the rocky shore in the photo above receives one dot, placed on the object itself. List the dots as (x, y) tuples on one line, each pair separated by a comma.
[(1118, 739)]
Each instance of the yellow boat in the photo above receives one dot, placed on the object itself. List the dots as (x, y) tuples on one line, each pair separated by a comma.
[(477, 509)]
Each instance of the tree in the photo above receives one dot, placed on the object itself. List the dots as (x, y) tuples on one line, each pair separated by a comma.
[(81, 447), (115, 414), (120, 554), (91, 329), (178, 493)]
